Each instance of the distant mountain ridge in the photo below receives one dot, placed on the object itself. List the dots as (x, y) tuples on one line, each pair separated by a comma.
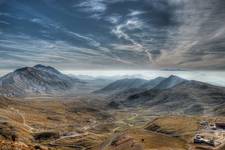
[(137, 85), (188, 97), (169, 82), (122, 85), (36, 80), (173, 95), (152, 83)]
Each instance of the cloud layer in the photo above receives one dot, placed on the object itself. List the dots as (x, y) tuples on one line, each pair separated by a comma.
[(116, 34)]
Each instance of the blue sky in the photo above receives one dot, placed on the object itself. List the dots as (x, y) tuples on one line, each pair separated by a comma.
[(115, 34)]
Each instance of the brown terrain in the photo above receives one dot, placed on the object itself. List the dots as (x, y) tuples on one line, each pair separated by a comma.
[(76, 123)]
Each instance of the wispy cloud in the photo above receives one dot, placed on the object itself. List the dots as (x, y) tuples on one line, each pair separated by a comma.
[(126, 47), (5, 14), (96, 6), (86, 38), (131, 24), (114, 19), (136, 13), (4, 22)]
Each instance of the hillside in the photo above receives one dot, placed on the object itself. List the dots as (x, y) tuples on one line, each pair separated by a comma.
[(189, 97), (155, 84)]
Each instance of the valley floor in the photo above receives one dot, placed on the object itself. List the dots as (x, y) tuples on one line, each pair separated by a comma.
[(83, 123)]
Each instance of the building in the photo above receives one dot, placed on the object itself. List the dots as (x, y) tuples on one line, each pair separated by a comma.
[(220, 125), (199, 139)]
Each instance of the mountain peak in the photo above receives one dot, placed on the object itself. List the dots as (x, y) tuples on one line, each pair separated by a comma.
[(38, 79), (174, 76), (152, 83), (170, 82), (46, 68), (40, 66), (23, 69)]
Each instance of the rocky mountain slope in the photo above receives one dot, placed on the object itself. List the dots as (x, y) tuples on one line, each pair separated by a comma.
[(36, 80), (172, 95), (159, 83), (188, 97), (130, 85)]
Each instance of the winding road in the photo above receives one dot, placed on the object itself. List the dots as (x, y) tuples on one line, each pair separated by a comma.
[(30, 129)]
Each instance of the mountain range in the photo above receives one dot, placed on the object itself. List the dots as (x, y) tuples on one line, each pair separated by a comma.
[(189, 97), (169, 95), (125, 85), (160, 95)]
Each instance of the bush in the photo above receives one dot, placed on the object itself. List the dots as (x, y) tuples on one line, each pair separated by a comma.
[(46, 135)]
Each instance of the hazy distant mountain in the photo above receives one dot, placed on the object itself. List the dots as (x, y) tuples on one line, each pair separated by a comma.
[(122, 89), (122, 85), (35, 80), (152, 83), (169, 82), (126, 85), (172, 95), (188, 97)]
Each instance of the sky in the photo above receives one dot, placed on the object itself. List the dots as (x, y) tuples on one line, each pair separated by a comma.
[(113, 34)]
